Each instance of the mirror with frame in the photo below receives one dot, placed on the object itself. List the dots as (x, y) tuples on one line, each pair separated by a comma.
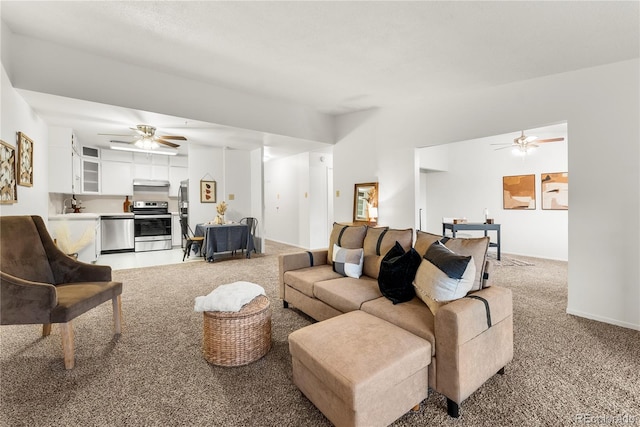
[(365, 203)]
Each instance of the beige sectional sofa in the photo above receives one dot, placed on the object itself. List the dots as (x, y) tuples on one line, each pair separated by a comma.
[(471, 338)]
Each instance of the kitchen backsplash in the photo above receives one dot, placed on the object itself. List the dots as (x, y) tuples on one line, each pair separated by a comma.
[(106, 204)]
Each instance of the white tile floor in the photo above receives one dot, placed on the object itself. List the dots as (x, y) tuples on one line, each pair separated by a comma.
[(144, 259)]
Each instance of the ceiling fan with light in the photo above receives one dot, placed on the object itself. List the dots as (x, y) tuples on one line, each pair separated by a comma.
[(145, 138), (524, 144)]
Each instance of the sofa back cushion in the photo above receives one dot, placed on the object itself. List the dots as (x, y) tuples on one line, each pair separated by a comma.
[(476, 247), (378, 241), (424, 240), (345, 236)]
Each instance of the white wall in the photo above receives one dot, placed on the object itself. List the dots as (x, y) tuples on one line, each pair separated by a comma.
[(600, 104), (319, 165), (17, 116), (204, 163), (473, 182), (296, 202), (257, 195), (285, 182), (237, 181)]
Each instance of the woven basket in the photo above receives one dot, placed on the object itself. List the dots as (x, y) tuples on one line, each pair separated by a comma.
[(237, 338)]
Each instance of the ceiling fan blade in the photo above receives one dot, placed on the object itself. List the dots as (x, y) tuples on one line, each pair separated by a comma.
[(503, 143), (115, 134), (180, 138), (502, 148), (122, 142), (549, 140), (167, 143)]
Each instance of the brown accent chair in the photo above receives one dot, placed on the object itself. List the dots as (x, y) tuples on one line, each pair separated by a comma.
[(40, 284)]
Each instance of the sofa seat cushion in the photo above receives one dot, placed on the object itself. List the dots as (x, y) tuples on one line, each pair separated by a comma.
[(303, 279), (347, 294), (413, 316)]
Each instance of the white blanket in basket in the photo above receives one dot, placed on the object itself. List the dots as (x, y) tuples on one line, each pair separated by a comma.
[(229, 297)]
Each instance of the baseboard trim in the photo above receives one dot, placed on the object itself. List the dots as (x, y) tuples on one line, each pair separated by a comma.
[(603, 319)]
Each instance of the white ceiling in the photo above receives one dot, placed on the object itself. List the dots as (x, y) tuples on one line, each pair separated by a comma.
[(334, 56)]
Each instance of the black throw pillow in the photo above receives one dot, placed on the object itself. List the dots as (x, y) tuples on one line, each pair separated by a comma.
[(397, 271)]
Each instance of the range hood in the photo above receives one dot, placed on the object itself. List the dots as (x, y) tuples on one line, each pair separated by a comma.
[(150, 183)]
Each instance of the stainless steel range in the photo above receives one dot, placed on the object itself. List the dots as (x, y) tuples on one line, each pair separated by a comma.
[(152, 225)]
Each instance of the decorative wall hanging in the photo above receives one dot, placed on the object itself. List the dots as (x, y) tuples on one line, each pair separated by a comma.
[(555, 190), (207, 191), (25, 160), (8, 189), (519, 192)]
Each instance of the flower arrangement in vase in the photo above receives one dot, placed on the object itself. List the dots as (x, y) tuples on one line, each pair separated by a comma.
[(221, 209)]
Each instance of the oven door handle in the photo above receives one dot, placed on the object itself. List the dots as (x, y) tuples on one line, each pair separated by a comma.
[(161, 216)]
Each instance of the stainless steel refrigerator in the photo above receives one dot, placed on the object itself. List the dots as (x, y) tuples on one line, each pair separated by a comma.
[(183, 203)]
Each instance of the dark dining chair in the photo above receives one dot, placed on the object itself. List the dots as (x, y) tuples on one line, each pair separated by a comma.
[(189, 237), (40, 284)]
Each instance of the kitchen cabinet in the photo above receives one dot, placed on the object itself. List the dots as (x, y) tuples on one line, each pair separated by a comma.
[(90, 176), (116, 173), (117, 178), (64, 161), (90, 170), (150, 166), (77, 233)]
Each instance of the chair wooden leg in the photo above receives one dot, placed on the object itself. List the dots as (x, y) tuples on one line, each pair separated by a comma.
[(46, 329), (116, 302), (66, 331)]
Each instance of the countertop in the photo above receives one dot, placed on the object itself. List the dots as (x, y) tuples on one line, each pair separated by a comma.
[(74, 216)]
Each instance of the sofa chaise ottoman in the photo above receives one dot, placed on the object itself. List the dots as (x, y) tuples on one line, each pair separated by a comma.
[(360, 370)]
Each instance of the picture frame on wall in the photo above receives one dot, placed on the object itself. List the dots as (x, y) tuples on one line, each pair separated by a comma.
[(554, 190), (519, 192), (8, 189), (207, 191), (25, 160)]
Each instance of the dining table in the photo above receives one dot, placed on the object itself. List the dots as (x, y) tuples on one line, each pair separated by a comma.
[(219, 238)]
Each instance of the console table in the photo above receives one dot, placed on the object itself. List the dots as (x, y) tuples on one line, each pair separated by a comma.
[(474, 226), (224, 238)]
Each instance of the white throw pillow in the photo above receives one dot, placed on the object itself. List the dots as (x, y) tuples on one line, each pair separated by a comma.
[(435, 287), (348, 262)]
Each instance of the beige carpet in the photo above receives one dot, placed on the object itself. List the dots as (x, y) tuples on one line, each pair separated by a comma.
[(155, 375)]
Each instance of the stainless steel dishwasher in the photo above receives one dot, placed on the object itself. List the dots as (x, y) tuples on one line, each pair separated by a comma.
[(117, 233)]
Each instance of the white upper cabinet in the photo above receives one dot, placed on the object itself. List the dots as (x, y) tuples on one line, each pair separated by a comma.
[(117, 178), (64, 163)]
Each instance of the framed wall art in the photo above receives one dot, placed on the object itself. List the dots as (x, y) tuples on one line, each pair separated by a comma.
[(8, 189), (365, 203), (519, 192), (207, 191), (25, 160), (554, 189)]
